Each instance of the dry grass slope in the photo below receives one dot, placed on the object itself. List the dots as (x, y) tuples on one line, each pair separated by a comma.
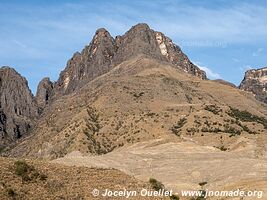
[(60, 182), (139, 100)]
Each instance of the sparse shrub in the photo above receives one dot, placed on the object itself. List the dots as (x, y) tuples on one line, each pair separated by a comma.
[(11, 192), (92, 122), (232, 130), (203, 183), (222, 148), (155, 184), (213, 108), (246, 116), (176, 128), (43, 177), (27, 172), (22, 169), (137, 95), (189, 98), (150, 114), (2, 149), (174, 197)]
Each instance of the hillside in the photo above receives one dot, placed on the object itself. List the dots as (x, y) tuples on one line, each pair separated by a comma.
[(41, 180), (139, 100), (137, 104)]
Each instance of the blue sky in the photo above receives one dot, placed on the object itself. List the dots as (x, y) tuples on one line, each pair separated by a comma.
[(223, 37)]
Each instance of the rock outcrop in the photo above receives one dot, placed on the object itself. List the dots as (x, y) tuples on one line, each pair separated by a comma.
[(104, 52), (18, 109), (44, 92), (94, 60), (255, 81)]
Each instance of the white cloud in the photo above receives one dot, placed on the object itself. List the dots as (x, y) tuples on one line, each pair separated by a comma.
[(235, 59), (245, 68), (258, 52), (210, 73)]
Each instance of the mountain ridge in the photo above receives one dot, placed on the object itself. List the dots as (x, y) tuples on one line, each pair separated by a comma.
[(104, 52), (145, 68), (138, 100)]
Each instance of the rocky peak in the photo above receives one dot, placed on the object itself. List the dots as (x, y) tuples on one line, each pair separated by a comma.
[(255, 81), (174, 55), (44, 92), (94, 60), (104, 52), (17, 106), (140, 39)]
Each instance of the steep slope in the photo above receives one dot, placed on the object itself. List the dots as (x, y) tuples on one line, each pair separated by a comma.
[(104, 53), (255, 81), (17, 107), (138, 100)]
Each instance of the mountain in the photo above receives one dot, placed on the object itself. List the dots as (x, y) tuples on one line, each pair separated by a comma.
[(18, 110), (105, 52), (138, 100), (135, 103), (99, 57), (133, 88), (255, 81)]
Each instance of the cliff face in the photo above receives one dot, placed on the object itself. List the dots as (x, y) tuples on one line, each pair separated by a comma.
[(44, 92), (18, 109), (94, 60), (255, 81), (104, 52)]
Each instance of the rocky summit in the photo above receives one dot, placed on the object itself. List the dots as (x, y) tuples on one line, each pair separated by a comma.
[(255, 81), (105, 52)]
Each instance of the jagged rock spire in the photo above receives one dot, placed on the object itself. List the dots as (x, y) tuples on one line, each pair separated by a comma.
[(44, 92)]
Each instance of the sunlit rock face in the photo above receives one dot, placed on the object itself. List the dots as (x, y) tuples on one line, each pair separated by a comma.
[(255, 81)]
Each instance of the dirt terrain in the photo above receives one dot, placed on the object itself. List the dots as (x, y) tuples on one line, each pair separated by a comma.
[(183, 165)]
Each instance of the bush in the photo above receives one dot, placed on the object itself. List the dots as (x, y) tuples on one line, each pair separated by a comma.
[(156, 185), (213, 108), (22, 169), (203, 183), (11, 192), (27, 172), (177, 127), (246, 116), (137, 95), (174, 197)]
